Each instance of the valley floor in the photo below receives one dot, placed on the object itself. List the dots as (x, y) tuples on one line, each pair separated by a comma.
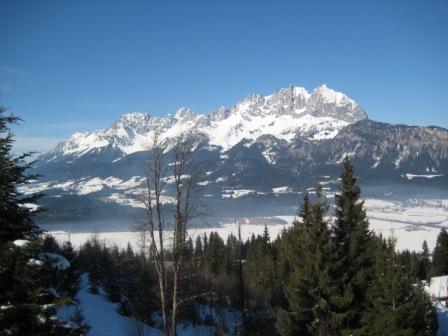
[(410, 221)]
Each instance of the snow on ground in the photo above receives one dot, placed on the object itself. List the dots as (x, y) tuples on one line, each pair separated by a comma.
[(237, 193), (58, 261), (442, 317), (83, 186), (102, 316), (33, 188), (92, 185), (20, 242), (410, 222), (132, 198), (412, 176), (281, 190)]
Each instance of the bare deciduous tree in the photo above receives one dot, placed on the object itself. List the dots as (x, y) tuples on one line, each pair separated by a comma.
[(185, 210), (240, 264), (154, 226)]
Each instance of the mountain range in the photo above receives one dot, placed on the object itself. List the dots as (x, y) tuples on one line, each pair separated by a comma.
[(263, 150)]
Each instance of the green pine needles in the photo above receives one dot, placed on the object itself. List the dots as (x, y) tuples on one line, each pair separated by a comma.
[(344, 280)]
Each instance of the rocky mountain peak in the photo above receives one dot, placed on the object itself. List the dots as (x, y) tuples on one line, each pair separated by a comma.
[(185, 114), (325, 102), (286, 114)]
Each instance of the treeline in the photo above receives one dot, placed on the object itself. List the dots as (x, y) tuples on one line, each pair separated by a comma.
[(319, 277)]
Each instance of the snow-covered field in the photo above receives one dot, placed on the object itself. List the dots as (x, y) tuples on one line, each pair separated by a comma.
[(410, 221), (121, 239)]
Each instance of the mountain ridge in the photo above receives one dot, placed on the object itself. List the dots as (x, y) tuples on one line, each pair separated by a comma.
[(285, 113)]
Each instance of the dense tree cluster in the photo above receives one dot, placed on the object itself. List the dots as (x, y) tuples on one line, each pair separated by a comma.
[(127, 278)]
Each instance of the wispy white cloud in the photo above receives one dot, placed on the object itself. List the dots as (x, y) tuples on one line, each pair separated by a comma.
[(5, 68), (14, 71)]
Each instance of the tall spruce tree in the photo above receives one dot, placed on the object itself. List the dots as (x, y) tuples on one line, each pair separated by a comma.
[(440, 255), (352, 259), (309, 285), (260, 269), (23, 295), (424, 263), (395, 305), (15, 219)]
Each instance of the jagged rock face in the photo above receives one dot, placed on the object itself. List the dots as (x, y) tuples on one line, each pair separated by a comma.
[(287, 113), (377, 149), (388, 146), (326, 102)]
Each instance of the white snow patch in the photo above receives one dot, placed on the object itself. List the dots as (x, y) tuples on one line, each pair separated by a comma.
[(237, 193), (90, 186), (20, 242), (412, 176), (35, 262), (58, 261), (281, 190)]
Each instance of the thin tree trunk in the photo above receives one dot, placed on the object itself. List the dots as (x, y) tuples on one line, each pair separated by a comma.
[(166, 330), (174, 309), (240, 253)]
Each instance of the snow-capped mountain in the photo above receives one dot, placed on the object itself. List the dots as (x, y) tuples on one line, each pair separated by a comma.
[(285, 114), (254, 156)]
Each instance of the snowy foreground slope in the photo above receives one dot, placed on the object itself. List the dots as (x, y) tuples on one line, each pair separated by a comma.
[(104, 319), (442, 317), (102, 316)]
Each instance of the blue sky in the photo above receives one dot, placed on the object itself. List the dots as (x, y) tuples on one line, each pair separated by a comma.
[(78, 65)]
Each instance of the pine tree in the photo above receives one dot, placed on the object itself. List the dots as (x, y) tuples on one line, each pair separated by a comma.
[(71, 279), (22, 280), (424, 263), (231, 255), (15, 219), (266, 236), (260, 270), (395, 306), (440, 256), (308, 288), (352, 261), (214, 253), (198, 250)]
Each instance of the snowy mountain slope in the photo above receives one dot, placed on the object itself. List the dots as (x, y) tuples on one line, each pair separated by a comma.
[(285, 114)]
